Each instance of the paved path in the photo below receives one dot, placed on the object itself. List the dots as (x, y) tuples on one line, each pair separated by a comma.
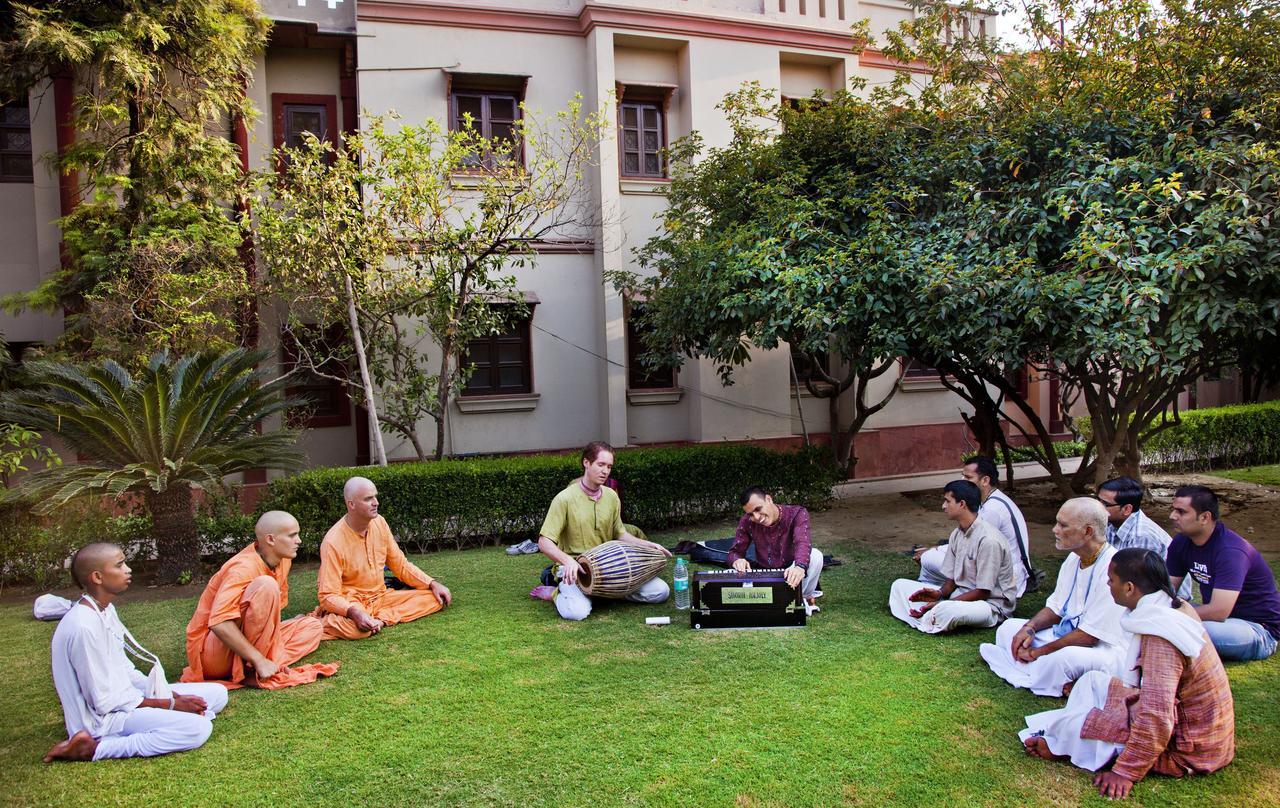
[(900, 483)]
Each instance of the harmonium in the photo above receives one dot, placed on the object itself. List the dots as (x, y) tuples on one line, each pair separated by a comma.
[(758, 598)]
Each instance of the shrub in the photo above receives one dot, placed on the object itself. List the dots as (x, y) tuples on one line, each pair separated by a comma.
[(34, 549), (457, 503), (1219, 437), (1063, 448), (223, 526)]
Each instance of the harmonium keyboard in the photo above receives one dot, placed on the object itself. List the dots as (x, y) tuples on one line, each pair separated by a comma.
[(757, 598)]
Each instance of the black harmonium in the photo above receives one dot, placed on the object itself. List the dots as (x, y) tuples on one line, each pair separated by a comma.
[(753, 599)]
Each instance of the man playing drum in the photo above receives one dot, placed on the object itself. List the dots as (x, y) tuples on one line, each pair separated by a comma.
[(586, 514)]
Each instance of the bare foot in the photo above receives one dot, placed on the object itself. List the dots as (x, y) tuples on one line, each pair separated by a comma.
[(80, 746), (1037, 746), (542, 592)]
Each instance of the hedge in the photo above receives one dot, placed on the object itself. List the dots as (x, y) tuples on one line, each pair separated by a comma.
[(1219, 437), (459, 503)]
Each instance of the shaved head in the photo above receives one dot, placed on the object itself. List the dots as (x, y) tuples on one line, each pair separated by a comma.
[(273, 523), (90, 559), (355, 486)]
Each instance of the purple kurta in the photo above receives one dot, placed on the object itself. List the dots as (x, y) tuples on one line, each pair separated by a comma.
[(781, 544)]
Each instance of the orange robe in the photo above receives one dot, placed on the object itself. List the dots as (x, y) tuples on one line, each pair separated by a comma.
[(351, 573), (252, 594)]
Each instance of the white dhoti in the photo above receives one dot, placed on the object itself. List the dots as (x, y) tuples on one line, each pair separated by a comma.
[(1061, 728), (151, 731), (1047, 675), (944, 616), (931, 566), (573, 604)]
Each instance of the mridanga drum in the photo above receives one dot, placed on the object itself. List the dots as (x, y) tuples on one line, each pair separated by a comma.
[(615, 569)]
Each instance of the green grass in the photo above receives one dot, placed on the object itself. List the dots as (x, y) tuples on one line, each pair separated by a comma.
[(497, 702), (1262, 475)]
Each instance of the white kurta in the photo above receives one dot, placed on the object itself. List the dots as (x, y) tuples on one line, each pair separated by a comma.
[(1081, 595), (100, 690)]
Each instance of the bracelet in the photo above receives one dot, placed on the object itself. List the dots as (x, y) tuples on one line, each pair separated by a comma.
[(172, 700)]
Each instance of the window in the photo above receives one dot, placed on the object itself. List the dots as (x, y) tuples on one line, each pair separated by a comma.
[(296, 114), (640, 377), (918, 370), (327, 403), (15, 143), (502, 363), (489, 105), (643, 139), (806, 368)]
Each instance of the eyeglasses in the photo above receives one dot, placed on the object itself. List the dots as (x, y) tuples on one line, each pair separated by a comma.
[(1106, 504)]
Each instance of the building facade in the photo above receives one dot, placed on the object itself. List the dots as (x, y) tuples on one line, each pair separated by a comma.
[(567, 375)]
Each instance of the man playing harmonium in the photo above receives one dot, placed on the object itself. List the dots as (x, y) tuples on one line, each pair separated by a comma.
[(586, 514), (780, 534)]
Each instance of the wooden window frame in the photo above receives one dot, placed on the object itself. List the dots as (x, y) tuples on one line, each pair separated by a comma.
[(487, 86), (335, 391), (637, 377), (280, 102), (523, 328), (5, 125), (641, 97)]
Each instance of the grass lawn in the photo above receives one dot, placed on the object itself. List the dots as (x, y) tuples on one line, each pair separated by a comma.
[(1262, 475), (497, 702)]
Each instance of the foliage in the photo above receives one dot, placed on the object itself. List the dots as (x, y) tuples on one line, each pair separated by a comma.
[(180, 422), (778, 238), (408, 236), (1061, 449), (457, 503), (1113, 190), (223, 525), (19, 447), (467, 707), (152, 253), (34, 548), (1219, 437)]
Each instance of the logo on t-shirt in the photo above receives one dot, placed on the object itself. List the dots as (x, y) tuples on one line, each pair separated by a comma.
[(1200, 572)]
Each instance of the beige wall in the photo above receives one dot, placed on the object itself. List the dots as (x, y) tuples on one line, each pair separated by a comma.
[(31, 240)]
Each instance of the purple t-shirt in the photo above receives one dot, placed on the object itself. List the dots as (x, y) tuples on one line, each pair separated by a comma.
[(779, 545), (1226, 561)]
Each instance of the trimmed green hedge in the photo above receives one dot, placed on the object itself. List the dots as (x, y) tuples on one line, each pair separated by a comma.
[(459, 503), (1219, 437), (1063, 448)]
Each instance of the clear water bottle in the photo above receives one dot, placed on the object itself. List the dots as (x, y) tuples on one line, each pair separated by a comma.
[(680, 580)]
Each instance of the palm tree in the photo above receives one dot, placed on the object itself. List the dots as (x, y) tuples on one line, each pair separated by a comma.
[(182, 422)]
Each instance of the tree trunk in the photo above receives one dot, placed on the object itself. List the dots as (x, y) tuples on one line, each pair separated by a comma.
[(379, 451), (443, 382), (173, 526)]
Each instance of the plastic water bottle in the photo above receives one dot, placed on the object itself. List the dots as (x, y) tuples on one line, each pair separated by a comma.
[(680, 578)]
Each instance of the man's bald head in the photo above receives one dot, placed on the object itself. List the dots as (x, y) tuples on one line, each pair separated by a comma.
[(273, 523), (355, 487), (92, 558), (1088, 511)]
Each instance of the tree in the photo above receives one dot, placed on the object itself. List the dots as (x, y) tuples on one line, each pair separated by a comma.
[(772, 239), (180, 423), (1129, 163), (151, 250), (410, 238)]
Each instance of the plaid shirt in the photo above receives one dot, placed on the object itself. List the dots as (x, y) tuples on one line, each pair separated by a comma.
[(779, 545), (1180, 720)]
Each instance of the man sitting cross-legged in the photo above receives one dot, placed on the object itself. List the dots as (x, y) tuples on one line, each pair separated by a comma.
[(104, 701), (1128, 526), (236, 635), (1171, 710), (354, 599), (1078, 630), (998, 511), (780, 534), (586, 514), (1241, 609), (979, 587)]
